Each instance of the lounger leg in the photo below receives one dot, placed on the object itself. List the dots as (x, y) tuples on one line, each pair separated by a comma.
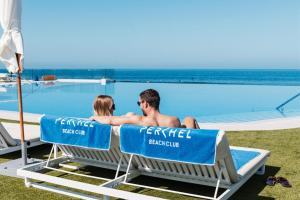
[(261, 171), (27, 182), (218, 182), (131, 156), (55, 150), (119, 165), (48, 160)]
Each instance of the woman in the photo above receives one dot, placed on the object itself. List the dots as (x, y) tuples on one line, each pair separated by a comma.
[(104, 106)]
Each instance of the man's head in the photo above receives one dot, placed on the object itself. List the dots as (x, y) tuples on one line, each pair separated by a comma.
[(149, 99)]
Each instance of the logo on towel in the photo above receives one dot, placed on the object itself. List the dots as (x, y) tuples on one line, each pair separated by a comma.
[(76, 123), (166, 136), (73, 122)]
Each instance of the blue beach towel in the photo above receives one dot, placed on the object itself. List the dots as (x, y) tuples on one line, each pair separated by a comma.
[(75, 132), (194, 146), (242, 157)]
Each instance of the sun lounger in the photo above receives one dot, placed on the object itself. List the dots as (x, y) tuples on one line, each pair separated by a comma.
[(106, 157), (10, 137), (232, 167), (225, 167)]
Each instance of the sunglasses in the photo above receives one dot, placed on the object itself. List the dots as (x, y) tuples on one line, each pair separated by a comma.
[(113, 107), (139, 103)]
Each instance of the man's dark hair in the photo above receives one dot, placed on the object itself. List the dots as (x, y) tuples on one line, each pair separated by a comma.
[(151, 96)]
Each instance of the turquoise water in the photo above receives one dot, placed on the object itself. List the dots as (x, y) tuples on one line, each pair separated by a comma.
[(206, 102)]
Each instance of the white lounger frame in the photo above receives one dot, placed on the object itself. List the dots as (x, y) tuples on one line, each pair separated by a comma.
[(215, 176), (105, 159), (11, 149), (6, 148)]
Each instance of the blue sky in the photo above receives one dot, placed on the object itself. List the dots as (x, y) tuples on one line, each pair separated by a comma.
[(162, 33)]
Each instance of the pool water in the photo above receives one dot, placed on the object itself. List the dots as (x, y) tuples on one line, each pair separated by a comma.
[(206, 102)]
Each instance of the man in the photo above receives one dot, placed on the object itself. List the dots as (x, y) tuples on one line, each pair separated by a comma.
[(149, 103)]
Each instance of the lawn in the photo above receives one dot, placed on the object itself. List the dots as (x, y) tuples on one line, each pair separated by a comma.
[(284, 161)]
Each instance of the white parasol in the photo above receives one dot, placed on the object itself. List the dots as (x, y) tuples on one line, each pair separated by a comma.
[(11, 51)]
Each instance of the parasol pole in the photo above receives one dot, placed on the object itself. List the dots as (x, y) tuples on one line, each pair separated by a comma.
[(23, 144)]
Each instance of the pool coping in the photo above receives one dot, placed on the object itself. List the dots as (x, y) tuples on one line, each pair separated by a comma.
[(266, 124)]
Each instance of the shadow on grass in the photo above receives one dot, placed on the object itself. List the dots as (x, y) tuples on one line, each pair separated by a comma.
[(171, 185), (99, 172), (39, 152), (250, 190)]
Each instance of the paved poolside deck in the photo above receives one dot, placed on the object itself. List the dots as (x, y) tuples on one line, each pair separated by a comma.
[(269, 124), (12, 115)]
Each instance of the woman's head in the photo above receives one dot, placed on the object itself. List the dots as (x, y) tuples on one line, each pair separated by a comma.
[(104, 105)]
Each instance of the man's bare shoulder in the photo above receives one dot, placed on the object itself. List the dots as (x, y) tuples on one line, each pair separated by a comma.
[(169, 121), (174, 121)]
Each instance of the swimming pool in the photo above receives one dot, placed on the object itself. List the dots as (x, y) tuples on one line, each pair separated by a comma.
[(206, 102)]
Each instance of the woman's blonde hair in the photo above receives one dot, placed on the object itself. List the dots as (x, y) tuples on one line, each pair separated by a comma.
[(104, 105)]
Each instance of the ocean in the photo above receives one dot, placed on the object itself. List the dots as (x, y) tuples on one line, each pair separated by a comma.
[(286, 77)]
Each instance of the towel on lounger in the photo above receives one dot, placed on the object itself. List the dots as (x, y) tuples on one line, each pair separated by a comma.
[(75, 132), (195, 146)]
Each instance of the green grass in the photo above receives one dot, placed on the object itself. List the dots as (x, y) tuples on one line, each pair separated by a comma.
[(284, 161)]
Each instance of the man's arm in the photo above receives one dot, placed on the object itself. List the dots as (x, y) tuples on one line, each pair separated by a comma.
[(119, 120)]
